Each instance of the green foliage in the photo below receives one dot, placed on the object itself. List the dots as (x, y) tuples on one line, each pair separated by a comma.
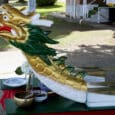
[(60, 60), (57, 7), (36, 44), (3, 44), (18, 71), (75, 71), (92, 12), (21, 1), (45, 2)]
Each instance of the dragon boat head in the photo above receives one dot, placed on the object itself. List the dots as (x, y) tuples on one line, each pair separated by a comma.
[(23, 32), (12, 23)]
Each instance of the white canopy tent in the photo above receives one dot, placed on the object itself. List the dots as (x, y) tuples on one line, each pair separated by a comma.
[(73, 8), (35, 19), (84, 9), (31, 5)]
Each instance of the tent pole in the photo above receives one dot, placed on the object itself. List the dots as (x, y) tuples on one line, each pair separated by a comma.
[(84, 9), (31, 5)]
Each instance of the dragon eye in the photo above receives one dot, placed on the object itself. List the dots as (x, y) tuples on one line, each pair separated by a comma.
[(5, 18)]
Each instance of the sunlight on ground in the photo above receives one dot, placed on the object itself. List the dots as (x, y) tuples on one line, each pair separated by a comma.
[(77, 38), (10, 60)]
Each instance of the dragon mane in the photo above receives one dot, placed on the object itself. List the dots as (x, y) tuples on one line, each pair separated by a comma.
[(36, 44)]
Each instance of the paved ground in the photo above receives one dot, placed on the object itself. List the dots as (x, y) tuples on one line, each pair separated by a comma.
[(10, 60), (84, 48)]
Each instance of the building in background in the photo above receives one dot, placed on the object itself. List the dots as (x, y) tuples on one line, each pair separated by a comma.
[(90, 10)]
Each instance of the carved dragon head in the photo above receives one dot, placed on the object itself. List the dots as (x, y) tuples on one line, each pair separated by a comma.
[(23, 32), (12, 22)]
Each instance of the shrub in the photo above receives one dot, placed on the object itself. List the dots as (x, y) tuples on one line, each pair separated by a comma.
[(45, 2)]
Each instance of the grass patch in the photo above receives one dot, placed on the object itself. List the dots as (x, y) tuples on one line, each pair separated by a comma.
[(66, 32), (61, 29), (3, 44), (45, 10)]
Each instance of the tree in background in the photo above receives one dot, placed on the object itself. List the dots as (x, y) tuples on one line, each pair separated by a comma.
[(45, 2), (21, 1)]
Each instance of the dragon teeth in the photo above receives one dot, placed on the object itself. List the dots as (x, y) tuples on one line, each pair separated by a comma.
[(13, 32)]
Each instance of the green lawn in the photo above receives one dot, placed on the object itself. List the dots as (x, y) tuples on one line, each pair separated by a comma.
[(58, 7), (44, 10)]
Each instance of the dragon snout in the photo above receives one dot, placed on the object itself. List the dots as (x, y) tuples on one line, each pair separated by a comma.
[(6, 29)]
